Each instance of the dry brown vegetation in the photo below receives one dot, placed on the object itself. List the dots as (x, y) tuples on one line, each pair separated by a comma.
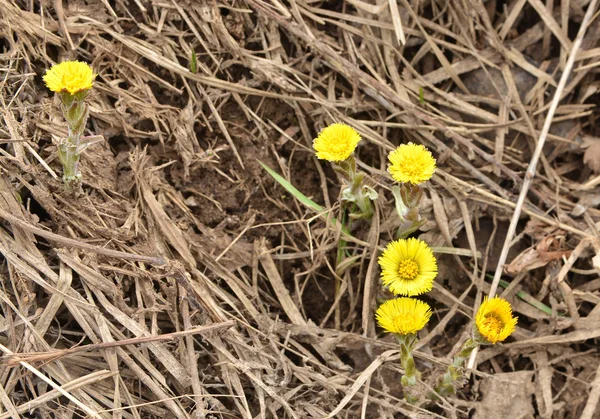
[(184, 282)]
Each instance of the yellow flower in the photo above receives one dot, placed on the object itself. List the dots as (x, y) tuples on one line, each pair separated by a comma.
[(403, 316), (408, 267), (411, 163), (494, 319), (70, 77), (336, 142)]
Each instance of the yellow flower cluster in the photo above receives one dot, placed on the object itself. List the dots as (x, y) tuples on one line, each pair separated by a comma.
[(408, 267), (69, 77), (494, 320), (336, 143), (411, 163)]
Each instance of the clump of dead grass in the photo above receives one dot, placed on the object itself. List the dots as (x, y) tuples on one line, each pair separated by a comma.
[(179, 231)]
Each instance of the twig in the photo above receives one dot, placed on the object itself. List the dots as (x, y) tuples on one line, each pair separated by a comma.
[(592, 402), (52, 384), (530, 174), (58, 6), (15, 358)]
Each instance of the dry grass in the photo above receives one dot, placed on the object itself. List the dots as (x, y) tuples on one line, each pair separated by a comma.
[(183, 282)]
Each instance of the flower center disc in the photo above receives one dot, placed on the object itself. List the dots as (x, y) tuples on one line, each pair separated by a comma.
[(493, 325), (405, 323), (411, 168), (340, 145), (72, 81), (408, 269)]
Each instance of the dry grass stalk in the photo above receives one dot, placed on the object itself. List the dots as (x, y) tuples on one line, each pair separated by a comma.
[(30, 357)]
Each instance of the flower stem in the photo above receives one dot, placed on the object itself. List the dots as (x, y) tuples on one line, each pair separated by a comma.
[(411, 374), (75, 112), (407, 200), (452, 379), (356, 192), (339, 259)]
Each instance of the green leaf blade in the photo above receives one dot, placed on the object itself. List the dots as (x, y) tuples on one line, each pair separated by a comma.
[(292, 190)]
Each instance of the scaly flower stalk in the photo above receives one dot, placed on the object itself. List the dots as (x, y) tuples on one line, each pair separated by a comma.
[(404, 317), (411, 375), (407, 198), (454, 374), (356, 192), (72, 80), (494, 322), (410, 165)]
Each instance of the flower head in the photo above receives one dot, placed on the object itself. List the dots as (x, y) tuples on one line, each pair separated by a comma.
[(403, 316), (69, 77), (494, 320), (408, 267), (411, 163), (336, 142)]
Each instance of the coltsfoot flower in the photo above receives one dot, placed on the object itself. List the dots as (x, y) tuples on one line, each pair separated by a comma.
[(411, 163), (493, 323), (69, 77), (71, 80), (408, 267), (403, 316), (336, 143), (494, 320)]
